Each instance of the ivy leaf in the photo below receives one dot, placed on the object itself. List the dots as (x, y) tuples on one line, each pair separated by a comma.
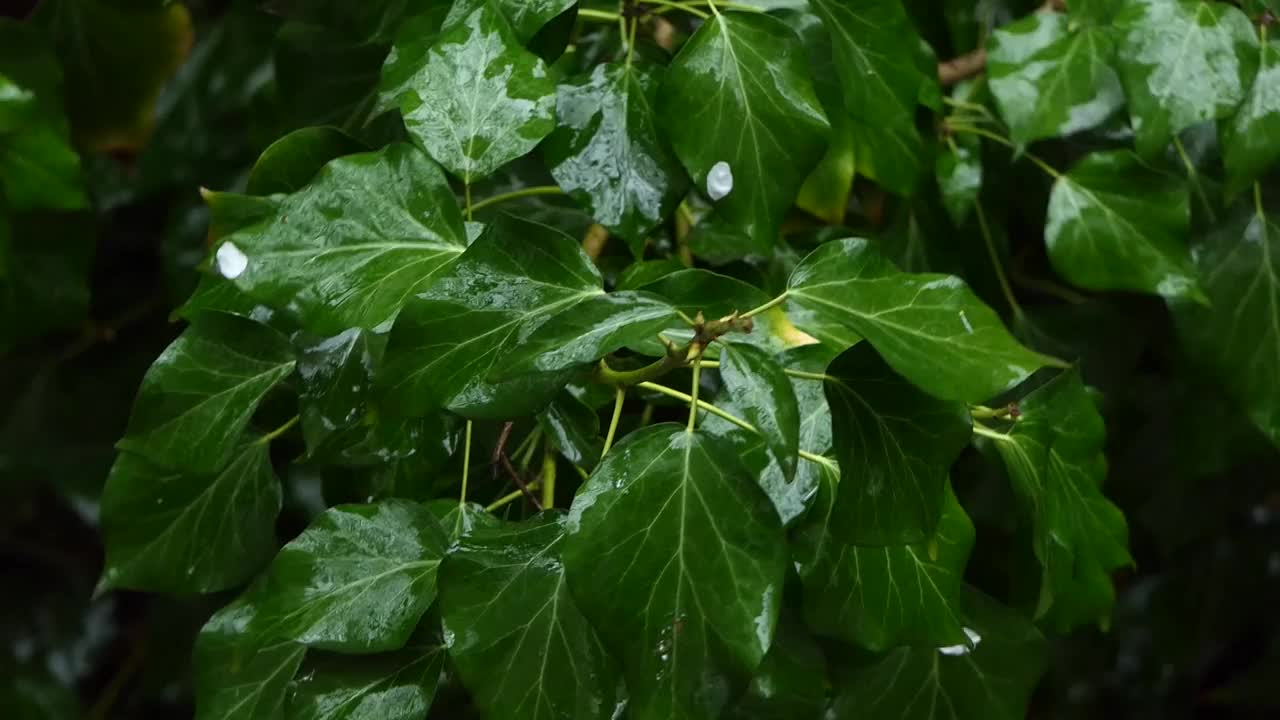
[(573, 429), (761, 390), (1237, 337), (237, 678), (992, 679), (607, 154), (931, 329), (448, 340), (336, 376), (592, 328), (791, 683), (959, 173), (1249, 144), (1051, 81), (173, 531), (677, 558), (1182, 63), (883, 597), (739, 94), (1054, 457), (394, 686), (1113, 223), (196, 400), (370, 231), (413, 41), (480, 100), (460, 519), (895, 445), (525, 16), (520, 644), (356, 581), (290, 163)]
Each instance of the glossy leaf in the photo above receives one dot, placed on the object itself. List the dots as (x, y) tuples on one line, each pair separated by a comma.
[(413, 40), (931, 329), (684, 598), (479, 100), (739, 93), (1237, 337), (348, 250), (290, 163), (174, 531), (573, 429), (198, 397), (446, 344), (791, 683), (1054, 457), (895, 445), (1050, 80), (395, 686), (336, 376), (1250, 143), (760, 389), (525, 16), (1182, 62), (356, 581), (519, 642), (1115, 224), (236, 677), (607, 154), (959, 173), (993, 679), (458, 519), (883, 597)]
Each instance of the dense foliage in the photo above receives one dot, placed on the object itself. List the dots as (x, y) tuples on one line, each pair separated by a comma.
[(649, 359)]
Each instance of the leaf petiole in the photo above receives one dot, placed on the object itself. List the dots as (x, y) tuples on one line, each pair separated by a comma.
[(466, 464), (1049, 170), (618, 401), (280, 430), (765, 307), (513, 195)]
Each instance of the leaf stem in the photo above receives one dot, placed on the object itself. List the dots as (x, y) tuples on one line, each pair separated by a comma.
[(693, 402), (466, 464), (813, 458), (1257, 201), (506, 499), (652, 371), (528, 453), (995, 260), (618, 400), (1194, 176), (986, 432), (280, 430), (765, 307), (515, 195), (680, 6), (1046, 167), (799, 374), (548, 478), (466, 191), (598, 15)]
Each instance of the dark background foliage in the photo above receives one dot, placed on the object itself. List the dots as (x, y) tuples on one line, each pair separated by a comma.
[(1194, 633)]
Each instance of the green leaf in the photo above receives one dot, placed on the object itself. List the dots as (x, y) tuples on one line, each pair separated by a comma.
[(606, 153), (525, 16), (739, 93), (179, 532), (348, 250), (1237, 338), (1114, 223), (520, 644), (356, 581), (931, 329), (1249, 139), (883, 597), (336, 376), (895, 445), (1050, 80), (1182, 62), (413, 40), (573, 429), (677, 558), (236, 677), (512, 279), (395, 686), (761, 390), (1055, 461), (290, 163), (16, 105), (959, 173), (480, 100), (460, 519), (791, 683), (992, 680), (196, 400)]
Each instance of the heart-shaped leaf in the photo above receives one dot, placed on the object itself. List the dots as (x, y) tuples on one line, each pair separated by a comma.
[(1251, 138)]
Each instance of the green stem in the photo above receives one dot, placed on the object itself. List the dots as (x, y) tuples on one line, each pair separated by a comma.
[(1194, 176), (466, 464), (811, 457), (509, 497), (524, 444), (799, 374), (528, 454), (987, 432), (631, 41), (466, 191), (618, 400), (693, 400), (516, 195), (765, 307), (982, 411), (280, 430), (1046, 167), (1257, 201), (603, 16), (548, 479), (995, 260), (679, 6), (652, 371), (646, 415)]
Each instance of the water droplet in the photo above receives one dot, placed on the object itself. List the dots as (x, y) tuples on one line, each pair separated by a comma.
[(231, 261), (719, 180)]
